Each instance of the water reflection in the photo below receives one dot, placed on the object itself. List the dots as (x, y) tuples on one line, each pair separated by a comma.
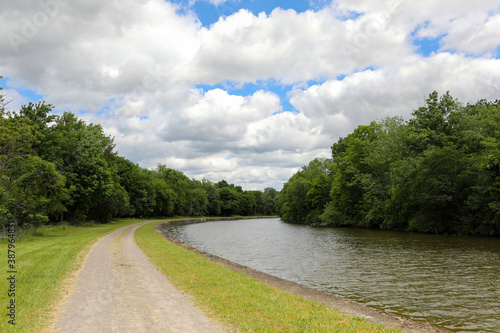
[(449, 281)]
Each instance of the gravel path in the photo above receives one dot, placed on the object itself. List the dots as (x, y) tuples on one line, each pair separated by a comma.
[(119, 290)]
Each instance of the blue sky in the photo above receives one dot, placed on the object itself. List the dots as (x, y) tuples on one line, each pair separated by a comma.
[(221, 92), (209, 13), (30, 94)]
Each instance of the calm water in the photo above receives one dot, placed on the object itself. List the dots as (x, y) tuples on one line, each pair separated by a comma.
[(448, 281)]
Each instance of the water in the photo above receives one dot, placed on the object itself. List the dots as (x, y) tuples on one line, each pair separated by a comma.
[(449, 281)]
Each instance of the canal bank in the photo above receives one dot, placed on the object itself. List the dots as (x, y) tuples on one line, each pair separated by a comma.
[(337, 303)]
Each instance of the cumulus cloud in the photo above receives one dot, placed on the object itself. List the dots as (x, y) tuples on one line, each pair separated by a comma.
[(291, 47), (218, 117), (396, 91), (479, 34), (134, 66), (89, 52)]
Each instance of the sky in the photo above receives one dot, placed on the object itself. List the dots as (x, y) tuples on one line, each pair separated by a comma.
[(246, 91)]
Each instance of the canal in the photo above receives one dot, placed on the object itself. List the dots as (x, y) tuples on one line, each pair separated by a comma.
[(448, 281)]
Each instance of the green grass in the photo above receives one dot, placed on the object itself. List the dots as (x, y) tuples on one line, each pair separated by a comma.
[(44, 259), (242, 302)]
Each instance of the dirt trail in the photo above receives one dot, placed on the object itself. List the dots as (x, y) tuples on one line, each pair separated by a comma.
[(119, 290)]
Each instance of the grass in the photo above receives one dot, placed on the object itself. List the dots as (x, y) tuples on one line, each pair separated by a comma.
[(240, 302), (45, 258)]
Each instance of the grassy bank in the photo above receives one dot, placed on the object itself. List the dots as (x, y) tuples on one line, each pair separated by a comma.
[(44, 259), (242, 302)]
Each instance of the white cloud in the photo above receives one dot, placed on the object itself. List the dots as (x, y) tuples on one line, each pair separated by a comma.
[(218, 117), (475, 35), (217, 2), (397, 90), (91, 51), (467, 28), (291, 47), (284, 131), (14, 101), (135, 65)]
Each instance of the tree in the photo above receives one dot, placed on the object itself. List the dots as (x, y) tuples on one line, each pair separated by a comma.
[(439, 189), (31, 189), (431, 126), (81, 153), (269, 203), (58, 167), (230, 201), (199, 201), (318, 197), (295, 207), (248, 203), (182, 187), (352, 178), (214, 202)]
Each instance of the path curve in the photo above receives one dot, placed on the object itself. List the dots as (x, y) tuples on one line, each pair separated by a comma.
[(120, 290)]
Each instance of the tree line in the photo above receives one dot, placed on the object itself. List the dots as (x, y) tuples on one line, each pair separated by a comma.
[(438, 172), (57, 168)]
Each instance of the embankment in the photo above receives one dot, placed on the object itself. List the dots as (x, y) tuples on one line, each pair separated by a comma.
[(348, 307)]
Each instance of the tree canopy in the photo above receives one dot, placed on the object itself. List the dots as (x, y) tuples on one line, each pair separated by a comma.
[(438, 172)]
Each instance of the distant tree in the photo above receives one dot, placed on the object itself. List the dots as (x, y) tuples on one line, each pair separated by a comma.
[(269, 204), (222, 184), (295, 207), (214, 202), (247, 203), (230, 201)]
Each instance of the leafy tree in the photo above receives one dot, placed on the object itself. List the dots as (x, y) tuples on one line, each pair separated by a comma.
[(223, 183), (352, 177), (306, 193), (438, 172), (199, 202), (214, 202), (182, 187), (439, 190), (295, 207), (164, 197), (81, 153), (270, 202), (248, 203), (230, 201), (431, 126), (31, 190)]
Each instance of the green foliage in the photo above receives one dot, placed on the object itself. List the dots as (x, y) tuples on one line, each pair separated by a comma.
[(438, 172), (269, 204), (31, 189), (230, 201), (55, 168), (438, 190), (306, 192)]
